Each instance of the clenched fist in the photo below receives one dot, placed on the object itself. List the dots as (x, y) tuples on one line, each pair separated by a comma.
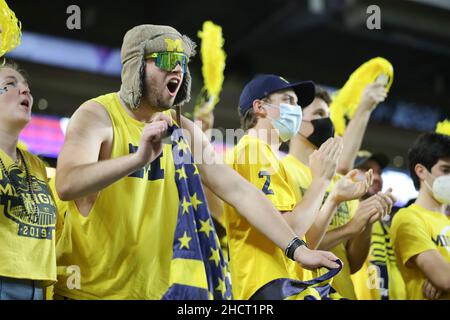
[(150, 146)]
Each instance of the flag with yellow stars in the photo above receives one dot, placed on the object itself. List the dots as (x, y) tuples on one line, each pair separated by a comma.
[(198, 268)]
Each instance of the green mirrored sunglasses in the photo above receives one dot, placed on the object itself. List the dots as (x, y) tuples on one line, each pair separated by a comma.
[(168, 60)]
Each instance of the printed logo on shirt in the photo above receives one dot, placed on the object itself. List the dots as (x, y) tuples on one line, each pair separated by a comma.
[(443, 238), (342, 216), (151, 171), (35, 219)]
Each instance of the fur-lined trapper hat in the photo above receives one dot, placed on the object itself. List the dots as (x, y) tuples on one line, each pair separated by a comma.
[(137, 44)]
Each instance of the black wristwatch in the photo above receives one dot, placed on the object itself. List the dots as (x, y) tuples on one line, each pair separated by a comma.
[(292, 246)]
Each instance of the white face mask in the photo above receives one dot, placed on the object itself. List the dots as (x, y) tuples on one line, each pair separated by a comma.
[(288, 124), (441, 189)]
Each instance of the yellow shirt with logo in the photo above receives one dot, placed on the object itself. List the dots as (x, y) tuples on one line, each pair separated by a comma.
[(301, 179), (380, 278), (415, 230), (254, 259), (123, 248), (27, 236)]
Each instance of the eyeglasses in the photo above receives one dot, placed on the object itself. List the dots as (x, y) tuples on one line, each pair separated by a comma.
[(168, 60)]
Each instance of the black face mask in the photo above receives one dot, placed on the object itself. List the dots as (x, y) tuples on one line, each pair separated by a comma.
[(323, 130)]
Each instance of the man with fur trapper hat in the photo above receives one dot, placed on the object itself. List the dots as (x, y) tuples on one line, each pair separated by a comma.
[(137, 224)]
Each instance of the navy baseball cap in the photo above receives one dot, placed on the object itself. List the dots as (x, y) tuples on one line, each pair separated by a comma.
[(263, 85), (363, 156)]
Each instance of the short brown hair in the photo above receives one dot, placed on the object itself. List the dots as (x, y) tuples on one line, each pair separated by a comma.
[(323, 94), (14, 66), (249, 119)]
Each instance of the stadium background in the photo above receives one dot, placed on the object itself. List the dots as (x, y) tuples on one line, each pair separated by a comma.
[(322, 40)]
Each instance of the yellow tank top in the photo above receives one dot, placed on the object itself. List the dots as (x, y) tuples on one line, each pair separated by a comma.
[(123, 249), (27, 228)]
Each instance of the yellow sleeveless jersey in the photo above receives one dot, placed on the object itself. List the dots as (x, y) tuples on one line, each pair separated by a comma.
[(254, 259), (380, 278), (413, 231), (301, 179), (27, 228), (123, 249), (61, 208)]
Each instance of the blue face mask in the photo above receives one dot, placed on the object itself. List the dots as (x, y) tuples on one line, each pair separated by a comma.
[(288, 124)]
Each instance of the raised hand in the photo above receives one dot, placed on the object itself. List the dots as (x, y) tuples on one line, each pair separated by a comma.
[(313, 259), (372, 95), (150, 146), (323, 162), (349, 187)]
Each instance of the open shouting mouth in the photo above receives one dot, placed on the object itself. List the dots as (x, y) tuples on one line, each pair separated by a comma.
[(173, 85)]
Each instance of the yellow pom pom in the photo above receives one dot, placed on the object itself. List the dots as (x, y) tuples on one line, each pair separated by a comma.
[(213, 58), (443, 127), (337, 115), (10, 29), (347, 99)]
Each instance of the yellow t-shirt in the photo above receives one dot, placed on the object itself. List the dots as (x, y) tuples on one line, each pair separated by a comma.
[(379, 278), (254, 259), (415, 230), (301, 179), (123, 249), (27, 234)]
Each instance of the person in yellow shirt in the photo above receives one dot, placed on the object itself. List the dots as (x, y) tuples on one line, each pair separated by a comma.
[(27, 209), (270, 113), (379, 278), (348, 234), (137, 223), (421, 232)]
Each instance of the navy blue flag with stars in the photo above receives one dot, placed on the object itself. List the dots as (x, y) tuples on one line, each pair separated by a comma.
[(198, 268), (318, 288)]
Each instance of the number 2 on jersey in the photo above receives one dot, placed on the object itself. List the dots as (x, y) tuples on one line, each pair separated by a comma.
[(266, 186)]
